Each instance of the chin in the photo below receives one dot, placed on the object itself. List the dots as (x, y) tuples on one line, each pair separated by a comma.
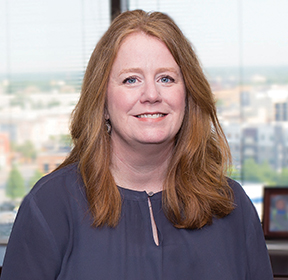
[(157, 141)]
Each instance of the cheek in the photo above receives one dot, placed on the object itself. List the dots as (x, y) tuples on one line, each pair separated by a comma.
[(119, 103), (178, 101), (180, 105)]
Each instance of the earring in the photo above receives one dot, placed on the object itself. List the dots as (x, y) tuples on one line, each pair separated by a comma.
[(108, 126)]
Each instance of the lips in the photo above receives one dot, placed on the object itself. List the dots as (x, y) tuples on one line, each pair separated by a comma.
[(151, 116)]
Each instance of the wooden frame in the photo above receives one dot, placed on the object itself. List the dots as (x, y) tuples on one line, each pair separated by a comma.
[(275, 212)]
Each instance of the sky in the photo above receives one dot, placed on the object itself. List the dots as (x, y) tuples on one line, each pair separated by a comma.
[(36, 35), (224, 30), (40, 35)]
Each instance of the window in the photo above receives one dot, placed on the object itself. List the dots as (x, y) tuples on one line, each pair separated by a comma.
[(243, 48), (44, 49), (45, 46)]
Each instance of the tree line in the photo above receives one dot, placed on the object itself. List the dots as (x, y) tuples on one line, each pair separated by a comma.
[(253, 172)]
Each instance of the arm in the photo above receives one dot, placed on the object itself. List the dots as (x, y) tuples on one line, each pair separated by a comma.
[(258, 257), (258, 262), (32, 252)]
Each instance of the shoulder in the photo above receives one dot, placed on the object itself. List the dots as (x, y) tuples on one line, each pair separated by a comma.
[(63, 182), (246, 218), (54, 203), (45, 221), (244, 212), (68, 174), (58, 193), (240, 196)]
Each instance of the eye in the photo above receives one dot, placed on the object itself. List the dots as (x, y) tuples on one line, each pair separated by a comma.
[(167, 79), (130, 80)]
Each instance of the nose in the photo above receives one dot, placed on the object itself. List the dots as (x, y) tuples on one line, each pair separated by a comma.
[(150, 93)]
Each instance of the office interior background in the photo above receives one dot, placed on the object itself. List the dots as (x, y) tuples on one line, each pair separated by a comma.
[(45, 47)]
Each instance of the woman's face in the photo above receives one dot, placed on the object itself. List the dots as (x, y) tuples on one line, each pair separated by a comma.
[(145, 94)]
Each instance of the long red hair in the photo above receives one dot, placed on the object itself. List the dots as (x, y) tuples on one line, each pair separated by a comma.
[(196, 188)]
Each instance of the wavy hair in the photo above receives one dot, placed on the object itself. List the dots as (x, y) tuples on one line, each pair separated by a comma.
[(196, 188)]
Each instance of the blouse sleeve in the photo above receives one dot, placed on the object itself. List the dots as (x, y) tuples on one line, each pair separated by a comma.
[(258, 257), (32, 253), (258, 260)]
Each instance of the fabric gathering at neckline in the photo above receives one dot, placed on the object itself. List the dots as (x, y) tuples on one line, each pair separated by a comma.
[(138, 195)]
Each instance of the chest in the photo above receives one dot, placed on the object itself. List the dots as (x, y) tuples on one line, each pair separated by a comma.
[(129, 250)]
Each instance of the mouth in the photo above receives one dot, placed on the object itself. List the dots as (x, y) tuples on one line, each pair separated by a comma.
[(151, 116)]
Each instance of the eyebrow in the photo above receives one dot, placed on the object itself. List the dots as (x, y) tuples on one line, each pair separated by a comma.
[(168, 69), (128, 70), (159, 70)]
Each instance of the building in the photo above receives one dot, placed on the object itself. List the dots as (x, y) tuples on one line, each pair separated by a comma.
[(5, 152), (262, 142)]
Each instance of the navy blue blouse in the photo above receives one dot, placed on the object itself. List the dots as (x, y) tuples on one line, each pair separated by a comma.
[(52, 238)]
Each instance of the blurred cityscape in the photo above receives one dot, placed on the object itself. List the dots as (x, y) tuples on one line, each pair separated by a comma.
[(34, 133), (35, 113), (254, 116)]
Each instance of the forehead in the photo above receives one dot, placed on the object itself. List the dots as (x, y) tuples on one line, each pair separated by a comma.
[(138, 39), (139, 35), (140, 48)]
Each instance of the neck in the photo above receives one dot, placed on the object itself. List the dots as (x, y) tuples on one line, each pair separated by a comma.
[(142, 169)]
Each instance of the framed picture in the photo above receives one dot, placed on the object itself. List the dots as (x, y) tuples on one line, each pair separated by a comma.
[(275, 212)]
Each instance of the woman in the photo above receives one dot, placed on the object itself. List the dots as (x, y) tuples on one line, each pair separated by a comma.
[(143, 194)]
